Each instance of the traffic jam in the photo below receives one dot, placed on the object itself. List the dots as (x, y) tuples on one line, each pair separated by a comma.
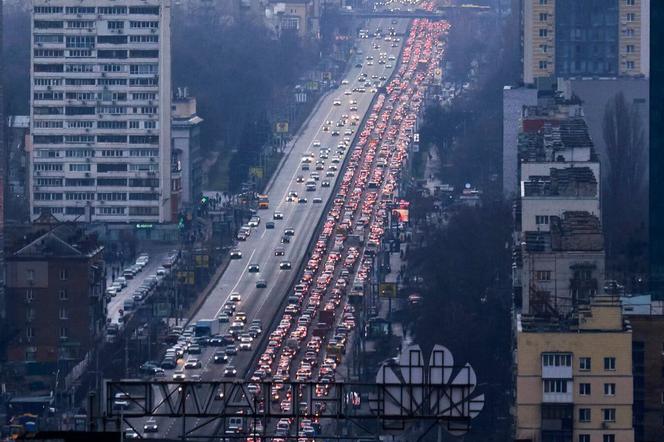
[(313, 333)]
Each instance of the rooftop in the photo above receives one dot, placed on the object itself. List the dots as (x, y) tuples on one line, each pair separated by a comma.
[(64, 241), (603, 314), (568, 182), (546, 139), (573, 232)]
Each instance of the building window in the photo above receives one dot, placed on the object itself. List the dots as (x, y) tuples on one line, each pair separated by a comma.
[(63, 313), (30, 275), (543, 16), (629, 2), (609, 363), (543, 32), (543, 64), (29, 298), (610, 389), (584, 414), (30, 354), (544, 48), (557, 360), (63, 295), (629, 64), (608, 438), (543, 2), (631, 16), (543, 275), (584, 364), (555, 386), (64, 274), (584, 438), (584, 389), (29, 333), (63, 333), (609, 414), (629, 48), (542, 219)]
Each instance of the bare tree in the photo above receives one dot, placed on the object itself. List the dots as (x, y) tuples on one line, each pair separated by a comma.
[(623, 201)]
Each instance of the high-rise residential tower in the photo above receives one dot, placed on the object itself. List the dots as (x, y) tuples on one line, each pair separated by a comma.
[(101, 111), (590, 38)]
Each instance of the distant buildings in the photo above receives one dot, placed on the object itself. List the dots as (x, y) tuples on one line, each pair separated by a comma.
[(101, 111), (55, 288), (590, 38)]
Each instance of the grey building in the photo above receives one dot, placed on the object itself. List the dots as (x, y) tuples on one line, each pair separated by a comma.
[(186, 142), (514, 100)]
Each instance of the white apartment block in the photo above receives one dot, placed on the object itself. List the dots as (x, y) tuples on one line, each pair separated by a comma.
[(100, 145)]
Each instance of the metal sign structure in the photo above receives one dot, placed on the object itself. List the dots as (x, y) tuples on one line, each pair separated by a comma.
[(406, 391)]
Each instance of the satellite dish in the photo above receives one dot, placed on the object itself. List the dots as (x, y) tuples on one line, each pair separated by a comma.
[(467, 186)]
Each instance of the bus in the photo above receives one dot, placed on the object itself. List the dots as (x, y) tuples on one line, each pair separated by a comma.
[(263, 202)]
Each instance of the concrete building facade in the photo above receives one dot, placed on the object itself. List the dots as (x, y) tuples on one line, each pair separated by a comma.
[(186, 142), (574, 379), (101, 111), (514, 100)]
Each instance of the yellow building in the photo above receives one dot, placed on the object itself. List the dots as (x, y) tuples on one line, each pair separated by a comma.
[(589, 38), (574, 378)]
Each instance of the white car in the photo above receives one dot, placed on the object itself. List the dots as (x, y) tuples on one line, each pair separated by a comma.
[(235, 297), (337, 102)]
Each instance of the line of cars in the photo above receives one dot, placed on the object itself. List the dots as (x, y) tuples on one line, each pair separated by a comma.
[(313, 333)]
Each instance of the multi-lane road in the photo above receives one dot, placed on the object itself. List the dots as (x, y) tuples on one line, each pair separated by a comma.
[(302, 217)]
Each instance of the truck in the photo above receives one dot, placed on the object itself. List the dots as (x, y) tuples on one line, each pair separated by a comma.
[(206, 327)]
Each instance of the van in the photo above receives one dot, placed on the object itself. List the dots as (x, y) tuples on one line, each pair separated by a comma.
[(128, 305)]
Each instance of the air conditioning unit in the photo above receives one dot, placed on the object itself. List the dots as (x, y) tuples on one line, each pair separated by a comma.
[(87, 174), (49, 88)]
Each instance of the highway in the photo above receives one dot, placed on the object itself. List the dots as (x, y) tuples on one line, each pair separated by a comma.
[(303, 218)]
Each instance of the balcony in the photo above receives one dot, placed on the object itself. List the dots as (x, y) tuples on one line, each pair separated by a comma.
[(559, 398), (556, 372)]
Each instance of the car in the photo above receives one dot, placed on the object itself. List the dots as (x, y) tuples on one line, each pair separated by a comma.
[(245, 343), (261, 284), (302, 200), (224, 317), (151, 426), (289, 231), (241, 316), (230, 371), (317, 200), (316, 143), (335, 133), (285, 265), (358, 65), (337, 102), (329, 173), (344, 81), (235, 297), (179, 376), (277, 215), (192, 363), (279, 251), (194, 349), (305, 167), (269, 225), (236, 254), (325, 183), (130, 433), (220, 357), (253, 268), (254, 221), (231, 350), (299, 179), (285, 239)]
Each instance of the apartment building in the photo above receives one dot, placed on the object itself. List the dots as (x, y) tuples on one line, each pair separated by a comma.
[(55, 288), (100, 145), (590, 38), (574, 377), (559, 244)]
